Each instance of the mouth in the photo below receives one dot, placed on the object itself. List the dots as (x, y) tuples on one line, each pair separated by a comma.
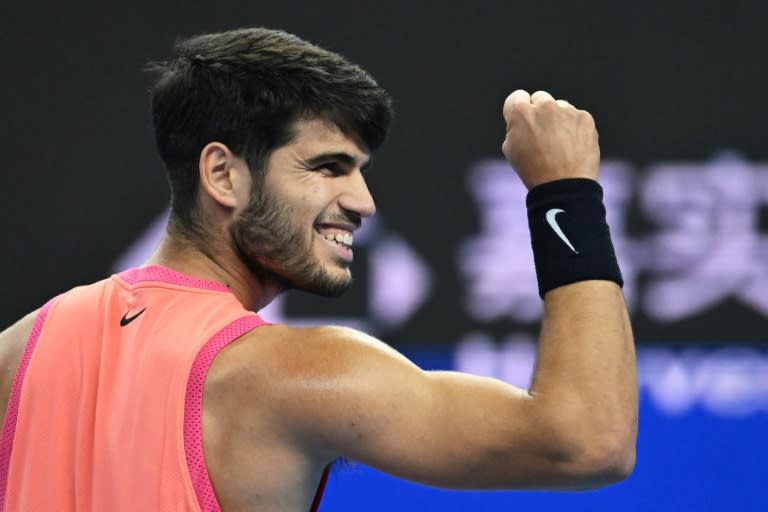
[(338, 238)]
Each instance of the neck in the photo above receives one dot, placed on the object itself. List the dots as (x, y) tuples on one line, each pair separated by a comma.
[(220, 264)]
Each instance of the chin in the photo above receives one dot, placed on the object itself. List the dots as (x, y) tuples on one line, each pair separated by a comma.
[(318, 280), (334, 292), (331, 287)]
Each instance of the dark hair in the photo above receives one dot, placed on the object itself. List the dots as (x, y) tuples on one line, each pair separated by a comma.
[(246, 88)]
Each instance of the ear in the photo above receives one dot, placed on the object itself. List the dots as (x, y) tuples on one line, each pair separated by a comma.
[(224, 177)]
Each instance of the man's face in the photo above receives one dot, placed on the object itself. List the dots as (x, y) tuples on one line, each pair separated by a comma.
[(298, 224)]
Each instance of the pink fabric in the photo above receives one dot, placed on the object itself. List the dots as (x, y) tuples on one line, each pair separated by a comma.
[(166, 275), (193, 407), (193, 403), (235, 326), (12, 411)]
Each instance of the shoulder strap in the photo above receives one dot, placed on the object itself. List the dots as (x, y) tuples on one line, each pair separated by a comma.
[(193, 407), (12, 411)]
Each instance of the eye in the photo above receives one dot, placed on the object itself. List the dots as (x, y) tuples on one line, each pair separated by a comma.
[(331, 169)]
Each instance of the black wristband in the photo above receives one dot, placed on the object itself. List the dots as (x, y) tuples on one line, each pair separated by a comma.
[(570, 238)]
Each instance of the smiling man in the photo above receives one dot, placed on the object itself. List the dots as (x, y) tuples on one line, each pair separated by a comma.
[(161, 388), (298, 223)]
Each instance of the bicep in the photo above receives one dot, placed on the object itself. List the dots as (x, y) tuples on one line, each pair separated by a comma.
[(371, 404)]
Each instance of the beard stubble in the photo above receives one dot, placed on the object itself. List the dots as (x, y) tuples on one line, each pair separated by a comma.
[(271, 243)]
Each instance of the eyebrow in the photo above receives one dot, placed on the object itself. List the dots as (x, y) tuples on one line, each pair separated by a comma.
[(342, 157)]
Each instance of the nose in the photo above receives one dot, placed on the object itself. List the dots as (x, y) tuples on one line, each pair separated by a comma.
[(355, 196)]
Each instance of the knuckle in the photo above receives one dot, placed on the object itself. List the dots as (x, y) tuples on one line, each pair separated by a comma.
[(585, 118), (542, 97), (516, 110), (585, 115), (520, 108), (547, 104)]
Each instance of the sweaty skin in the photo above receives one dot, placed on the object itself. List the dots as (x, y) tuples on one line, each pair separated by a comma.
[(280, 402)]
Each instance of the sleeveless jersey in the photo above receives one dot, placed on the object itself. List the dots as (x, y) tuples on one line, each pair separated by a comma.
[(105, 409)]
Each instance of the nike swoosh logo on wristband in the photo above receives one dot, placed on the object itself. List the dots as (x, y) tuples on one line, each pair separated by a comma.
[(550, 215)]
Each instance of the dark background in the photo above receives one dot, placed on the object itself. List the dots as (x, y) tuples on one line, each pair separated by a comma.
[(666, 81)]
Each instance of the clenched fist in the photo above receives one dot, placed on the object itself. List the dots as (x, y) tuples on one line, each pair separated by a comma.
[(549, 140)]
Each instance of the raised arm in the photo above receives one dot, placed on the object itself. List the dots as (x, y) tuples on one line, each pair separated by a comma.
[(343, 393)]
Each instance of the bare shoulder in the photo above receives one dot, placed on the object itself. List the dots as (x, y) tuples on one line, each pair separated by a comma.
[(13, 340), (12, 343), (315, 380), (326, 350), (268, 400)]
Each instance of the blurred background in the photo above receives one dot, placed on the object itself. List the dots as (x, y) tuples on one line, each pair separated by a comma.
[(444, 272)]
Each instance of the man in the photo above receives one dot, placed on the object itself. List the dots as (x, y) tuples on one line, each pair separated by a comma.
[(160, 389)]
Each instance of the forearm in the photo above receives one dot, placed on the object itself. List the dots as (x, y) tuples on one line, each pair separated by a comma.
[(586, 374)]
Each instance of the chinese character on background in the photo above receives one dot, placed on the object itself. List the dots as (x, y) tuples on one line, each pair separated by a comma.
[(497, 263), (708, 247)]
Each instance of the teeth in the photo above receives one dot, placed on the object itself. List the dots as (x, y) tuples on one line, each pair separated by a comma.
[(340, 238)]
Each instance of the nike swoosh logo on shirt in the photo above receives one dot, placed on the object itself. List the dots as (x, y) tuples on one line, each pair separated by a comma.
[(550, 215), (126, 319)]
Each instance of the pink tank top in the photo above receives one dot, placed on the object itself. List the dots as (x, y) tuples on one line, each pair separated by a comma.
[(105, 409)]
